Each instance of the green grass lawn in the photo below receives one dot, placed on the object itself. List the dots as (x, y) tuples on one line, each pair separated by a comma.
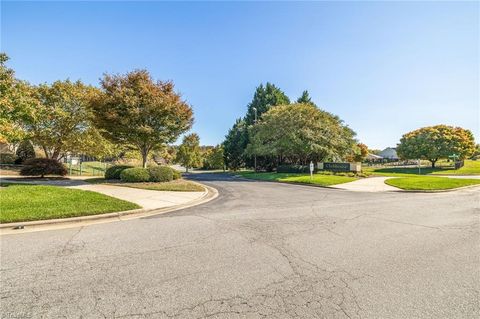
[(318, 179), (470, 168), (88, 168), (37, 202), (430, 182), (179, 185)]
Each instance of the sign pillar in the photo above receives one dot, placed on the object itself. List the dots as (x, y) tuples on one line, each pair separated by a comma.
[(311, 170)]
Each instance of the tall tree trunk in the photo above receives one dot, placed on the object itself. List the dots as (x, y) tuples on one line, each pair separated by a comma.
[(144, 152), (45, 150), (433, 162), (56, 153), (144, 160)]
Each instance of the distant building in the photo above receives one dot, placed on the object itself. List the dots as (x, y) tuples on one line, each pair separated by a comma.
[(374, 158), (389, 153)]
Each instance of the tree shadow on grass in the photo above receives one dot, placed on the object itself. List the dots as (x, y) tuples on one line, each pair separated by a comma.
[(411, 170)]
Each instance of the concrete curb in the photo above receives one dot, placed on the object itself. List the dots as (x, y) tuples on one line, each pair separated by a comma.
[(210, 193), (435, 190)]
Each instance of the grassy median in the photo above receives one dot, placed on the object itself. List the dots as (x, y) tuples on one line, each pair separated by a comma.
[(430, 183), (318, 179), (36, 202)]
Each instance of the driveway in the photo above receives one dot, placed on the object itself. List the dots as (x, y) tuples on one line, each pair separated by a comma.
[(260, 250)]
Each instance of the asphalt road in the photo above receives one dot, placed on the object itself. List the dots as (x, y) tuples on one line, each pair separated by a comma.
[(260, 250)]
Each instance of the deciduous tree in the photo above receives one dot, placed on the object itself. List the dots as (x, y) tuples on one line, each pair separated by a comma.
[(188, 154), (435, 142), (299, 133), (359, 153), (61, 122), (213, 158), (137, 112), (16, 103)]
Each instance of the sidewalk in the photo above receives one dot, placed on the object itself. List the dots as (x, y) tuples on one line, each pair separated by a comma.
[(370, 184), (148, 199)]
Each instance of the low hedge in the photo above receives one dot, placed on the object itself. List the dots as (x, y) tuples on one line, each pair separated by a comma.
[(135, 175), (114, 172), (160, 174), (138, 174), (42, 167), (176, 174), (7, 158), (293, 169)]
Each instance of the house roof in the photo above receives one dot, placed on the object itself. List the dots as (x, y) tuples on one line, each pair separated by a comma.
[(373, 156)]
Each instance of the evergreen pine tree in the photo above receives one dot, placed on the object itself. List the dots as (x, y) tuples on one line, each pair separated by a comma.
[(24, 152), (264, 98), (305, 99)]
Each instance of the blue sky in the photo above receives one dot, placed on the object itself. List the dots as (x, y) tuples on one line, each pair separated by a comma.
[(385, 68)]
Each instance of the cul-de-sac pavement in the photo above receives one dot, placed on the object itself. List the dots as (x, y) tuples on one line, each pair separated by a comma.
[(259, 250)]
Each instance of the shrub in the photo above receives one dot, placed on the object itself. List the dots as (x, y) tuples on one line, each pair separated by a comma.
[(24, 152), (7, 158), (160, 174), (114, 172), (42, 167), (293, 169), (351, 174), (176, 174), (135, 175)]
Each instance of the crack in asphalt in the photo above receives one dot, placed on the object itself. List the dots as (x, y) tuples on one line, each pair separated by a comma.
[(287, 277)]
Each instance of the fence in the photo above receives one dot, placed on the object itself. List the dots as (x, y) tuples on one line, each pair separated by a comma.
[(94, 168)]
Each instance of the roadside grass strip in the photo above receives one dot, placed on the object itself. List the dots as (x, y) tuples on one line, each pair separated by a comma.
[(470, 168), (179, 185), (317, 179), (430, 183), (38, 202)]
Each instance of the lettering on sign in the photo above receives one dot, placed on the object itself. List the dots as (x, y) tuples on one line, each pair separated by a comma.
[(337, 167)]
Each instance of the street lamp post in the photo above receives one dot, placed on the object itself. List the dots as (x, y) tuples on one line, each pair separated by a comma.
[(255, 155)]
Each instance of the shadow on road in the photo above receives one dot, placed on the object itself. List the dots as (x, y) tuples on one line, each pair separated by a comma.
[(215, 177)]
